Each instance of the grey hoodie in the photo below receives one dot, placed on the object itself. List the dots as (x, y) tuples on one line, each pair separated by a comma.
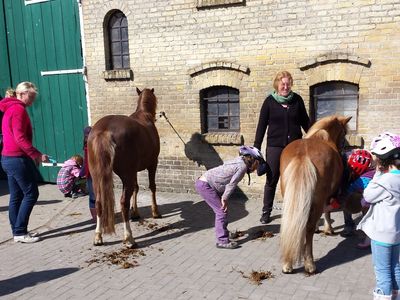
[(382, 221)]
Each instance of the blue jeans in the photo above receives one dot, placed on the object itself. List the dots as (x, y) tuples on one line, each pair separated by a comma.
[(387, 267), (92, 198), (22, 183), (214, 201)]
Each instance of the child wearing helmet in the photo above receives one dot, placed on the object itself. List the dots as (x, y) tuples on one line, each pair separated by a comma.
[(356, 178), (216, 185), (382, 222)]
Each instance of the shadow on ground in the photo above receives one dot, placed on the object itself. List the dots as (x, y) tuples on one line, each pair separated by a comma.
[(14, 284)]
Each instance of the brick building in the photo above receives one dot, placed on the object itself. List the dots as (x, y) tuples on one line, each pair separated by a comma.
[(200, 55)]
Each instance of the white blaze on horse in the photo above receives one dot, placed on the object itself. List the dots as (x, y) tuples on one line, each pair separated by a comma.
[(311, 169), (125, 145)]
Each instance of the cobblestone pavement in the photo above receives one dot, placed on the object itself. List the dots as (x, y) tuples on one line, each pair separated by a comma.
[(176, 257)]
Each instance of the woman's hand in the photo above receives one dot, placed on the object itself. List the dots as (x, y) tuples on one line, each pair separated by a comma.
[(41, 158), (224, 205)]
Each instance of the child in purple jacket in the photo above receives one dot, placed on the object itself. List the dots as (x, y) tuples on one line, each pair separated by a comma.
[(217, 184)]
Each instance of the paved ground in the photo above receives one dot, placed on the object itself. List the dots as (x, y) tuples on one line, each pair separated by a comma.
[(176, 257)]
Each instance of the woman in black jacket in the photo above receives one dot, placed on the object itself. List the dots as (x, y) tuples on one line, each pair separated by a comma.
[(284, 114)]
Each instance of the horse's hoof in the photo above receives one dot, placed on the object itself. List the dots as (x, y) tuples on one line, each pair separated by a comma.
[(287, 270), (98, 240), (130, 245), (157, 216), (310, 273), (311, 270)]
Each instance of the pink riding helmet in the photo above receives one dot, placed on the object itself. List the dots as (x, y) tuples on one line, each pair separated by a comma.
[(386, 145)]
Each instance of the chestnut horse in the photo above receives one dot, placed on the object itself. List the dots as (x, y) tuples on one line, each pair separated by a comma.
[(311, 169), (124, 145)]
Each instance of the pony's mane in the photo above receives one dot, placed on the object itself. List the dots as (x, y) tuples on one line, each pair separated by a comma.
[(330, 128), (320, 125), (147, 103)]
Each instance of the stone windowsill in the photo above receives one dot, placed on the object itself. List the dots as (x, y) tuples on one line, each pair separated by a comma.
[(223, 138), (123, 74), (210, 3)]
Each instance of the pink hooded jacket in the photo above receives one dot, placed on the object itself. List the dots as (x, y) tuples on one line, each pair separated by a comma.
[(17, 129)]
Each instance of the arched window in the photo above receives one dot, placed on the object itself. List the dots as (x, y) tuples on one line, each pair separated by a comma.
[(118, 52), (220, 111), (335, 97)]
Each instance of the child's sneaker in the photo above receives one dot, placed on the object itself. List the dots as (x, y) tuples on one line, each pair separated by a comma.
[(27, 238), (229, 245)]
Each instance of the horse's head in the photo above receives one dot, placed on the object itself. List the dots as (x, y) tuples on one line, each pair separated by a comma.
[(332, 129), (147, 102)]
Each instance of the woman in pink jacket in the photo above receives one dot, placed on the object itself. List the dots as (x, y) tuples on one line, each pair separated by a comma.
[(19, 160)]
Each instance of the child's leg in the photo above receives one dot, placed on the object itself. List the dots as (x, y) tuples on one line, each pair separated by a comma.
[(382, 259), (214, 201), (396, 267), (92, 199)]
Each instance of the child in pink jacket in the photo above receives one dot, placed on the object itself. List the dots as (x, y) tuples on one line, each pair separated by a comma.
[(68, 180)]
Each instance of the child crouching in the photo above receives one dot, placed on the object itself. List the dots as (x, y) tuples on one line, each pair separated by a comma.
[(68, 181), (217, 184)]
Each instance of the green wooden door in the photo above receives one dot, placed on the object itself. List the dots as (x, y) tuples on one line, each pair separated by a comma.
[(44, 47)]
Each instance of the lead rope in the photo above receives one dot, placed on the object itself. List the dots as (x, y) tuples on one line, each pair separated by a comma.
[(162, 114)]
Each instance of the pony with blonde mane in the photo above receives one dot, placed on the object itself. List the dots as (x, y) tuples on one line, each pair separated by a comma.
[(311, 169), (123, 145)]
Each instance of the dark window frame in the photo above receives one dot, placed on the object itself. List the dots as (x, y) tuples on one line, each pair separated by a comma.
[(337, 93), (221, 103), (117, 42)]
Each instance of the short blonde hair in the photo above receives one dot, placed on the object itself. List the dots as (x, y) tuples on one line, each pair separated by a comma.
[(25, 86), (279, 76)]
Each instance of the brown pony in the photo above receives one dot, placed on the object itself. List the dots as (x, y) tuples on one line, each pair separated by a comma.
[(124, 145), (311, 169)]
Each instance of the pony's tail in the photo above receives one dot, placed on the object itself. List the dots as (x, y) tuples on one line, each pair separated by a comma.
[(299, 180), (101, 156)]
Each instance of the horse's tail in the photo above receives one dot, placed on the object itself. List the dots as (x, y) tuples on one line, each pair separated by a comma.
[(299, 180), (101, 156)]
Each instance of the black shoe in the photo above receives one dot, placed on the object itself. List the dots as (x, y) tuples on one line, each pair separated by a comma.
[(68, 195), (77, 195), (265, 218)]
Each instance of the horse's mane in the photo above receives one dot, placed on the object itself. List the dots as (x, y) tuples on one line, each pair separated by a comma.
[(319, 128), (328, 128), (147, 104)]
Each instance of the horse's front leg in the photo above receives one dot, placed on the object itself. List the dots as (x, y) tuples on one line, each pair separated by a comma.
[(125, 197), (134, 212), (98, 238), (309, 265), (152, 186)]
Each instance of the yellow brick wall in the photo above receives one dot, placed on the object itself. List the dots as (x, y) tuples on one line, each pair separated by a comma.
[(179, 49)]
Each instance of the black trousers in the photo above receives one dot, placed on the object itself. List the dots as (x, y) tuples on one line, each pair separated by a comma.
[(273, 157)]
